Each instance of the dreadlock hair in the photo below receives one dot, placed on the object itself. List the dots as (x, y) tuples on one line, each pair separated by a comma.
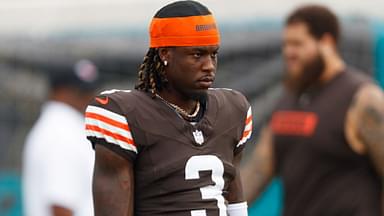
[(151, 76)]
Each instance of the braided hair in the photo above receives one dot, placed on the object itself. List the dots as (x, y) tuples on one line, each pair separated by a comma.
[(151, 76)]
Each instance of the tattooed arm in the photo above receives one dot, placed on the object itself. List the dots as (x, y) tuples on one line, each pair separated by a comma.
[(259, 170), (365, 130), (112, 184)]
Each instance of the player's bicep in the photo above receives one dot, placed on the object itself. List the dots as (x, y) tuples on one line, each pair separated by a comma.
[(370, 124), (113, 184)]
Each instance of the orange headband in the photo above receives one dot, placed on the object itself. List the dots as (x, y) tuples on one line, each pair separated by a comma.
[(184, 31)]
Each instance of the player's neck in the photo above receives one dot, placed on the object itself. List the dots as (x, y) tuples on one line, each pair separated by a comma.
[(187, 104), (333, 66)]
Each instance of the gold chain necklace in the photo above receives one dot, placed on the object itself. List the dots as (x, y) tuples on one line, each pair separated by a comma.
[(180, 110)]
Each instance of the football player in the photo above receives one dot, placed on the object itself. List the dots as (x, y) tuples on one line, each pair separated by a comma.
[(325, 139), (172, 146)]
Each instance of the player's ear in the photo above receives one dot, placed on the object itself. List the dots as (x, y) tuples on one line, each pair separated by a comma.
[(327, 44), (164, 53)]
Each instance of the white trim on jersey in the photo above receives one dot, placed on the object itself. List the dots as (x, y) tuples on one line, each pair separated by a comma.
[(247, 129), (111, 91), (106, 113), (109, 139), (112, 127), (108, 127)]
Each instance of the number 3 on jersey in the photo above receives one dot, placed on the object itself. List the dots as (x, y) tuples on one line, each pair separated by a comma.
[(208, 163)]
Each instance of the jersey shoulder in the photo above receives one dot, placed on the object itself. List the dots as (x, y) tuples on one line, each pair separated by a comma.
[(229, 97), (107, 123), (122, 101), (354, 77), (236, 109)]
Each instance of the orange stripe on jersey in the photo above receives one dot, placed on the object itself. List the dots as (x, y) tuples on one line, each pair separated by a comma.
[(109, 133), (246, 133), (247, 128), (107, 120), (249, 119)]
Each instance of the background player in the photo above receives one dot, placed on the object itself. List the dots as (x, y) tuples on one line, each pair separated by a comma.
[(57, 173), (326, 135), (171, 147)]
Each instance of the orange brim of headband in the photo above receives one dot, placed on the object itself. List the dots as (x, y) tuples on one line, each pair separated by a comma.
[(184, 31)]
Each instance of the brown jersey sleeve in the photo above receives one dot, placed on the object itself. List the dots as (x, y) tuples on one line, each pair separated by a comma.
[(106, 124), (244, 112), (241, 110)]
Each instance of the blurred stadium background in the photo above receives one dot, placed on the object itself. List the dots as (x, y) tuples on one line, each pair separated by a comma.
[(38, 37)]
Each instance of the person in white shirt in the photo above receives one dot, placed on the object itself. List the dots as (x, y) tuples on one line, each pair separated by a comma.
[(57, 163)]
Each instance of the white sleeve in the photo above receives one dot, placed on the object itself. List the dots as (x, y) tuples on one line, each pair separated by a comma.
[(69, 171), (60, 188), (237, 209)]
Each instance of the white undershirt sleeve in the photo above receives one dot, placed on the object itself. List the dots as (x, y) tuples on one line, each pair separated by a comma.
[(237, 209)]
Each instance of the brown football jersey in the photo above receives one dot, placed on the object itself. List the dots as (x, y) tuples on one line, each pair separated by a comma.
[(180, 168), (321, 173)]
